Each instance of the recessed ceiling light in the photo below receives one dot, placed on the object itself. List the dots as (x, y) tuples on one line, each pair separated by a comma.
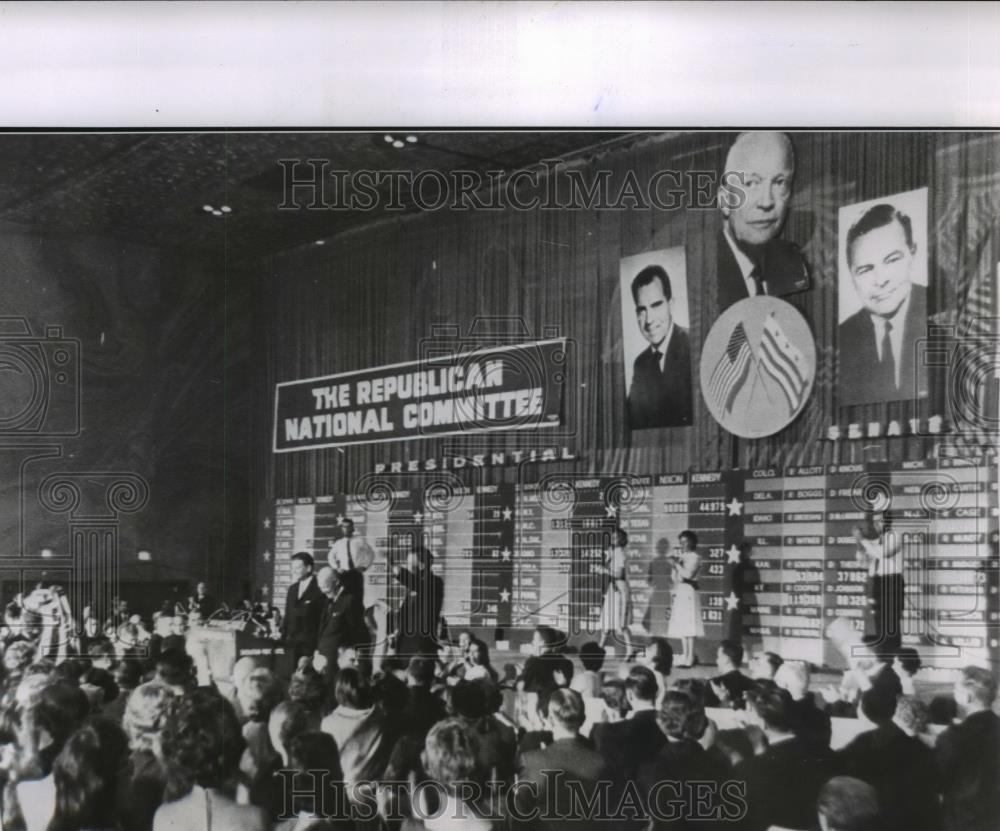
[(226, 209), (216, 213), (411, 139), (207, 208), (397, 144), (144, 556), (46, 553), (389, 139), (321, 242)]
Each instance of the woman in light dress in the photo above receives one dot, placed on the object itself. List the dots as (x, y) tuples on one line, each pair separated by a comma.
[(685, 613), (616, 613)]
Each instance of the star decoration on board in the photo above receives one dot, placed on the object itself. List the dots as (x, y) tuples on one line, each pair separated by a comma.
[(611, 510), (735, 507), (505, 554), (732, 602), (733, 554), (267, 522), (504, 596), (418, 517), (507, 514), (267, 556), (340, 518)]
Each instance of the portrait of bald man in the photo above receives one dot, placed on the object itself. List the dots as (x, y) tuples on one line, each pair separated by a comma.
[(754, 197)]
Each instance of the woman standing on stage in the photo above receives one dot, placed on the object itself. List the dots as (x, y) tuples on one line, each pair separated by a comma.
[(616, 612), (685, 614)]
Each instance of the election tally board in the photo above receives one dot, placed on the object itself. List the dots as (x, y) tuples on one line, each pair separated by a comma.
[(778, 554)]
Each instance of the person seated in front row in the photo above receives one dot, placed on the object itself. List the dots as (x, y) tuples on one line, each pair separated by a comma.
[(730, 686), (783, 782), (811, 722), (546, 670)]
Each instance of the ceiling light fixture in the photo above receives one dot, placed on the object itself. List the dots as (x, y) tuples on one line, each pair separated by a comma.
[(222, 210), (399, 142)]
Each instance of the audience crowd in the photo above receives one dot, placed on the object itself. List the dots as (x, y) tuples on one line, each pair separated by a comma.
[(128, 737)]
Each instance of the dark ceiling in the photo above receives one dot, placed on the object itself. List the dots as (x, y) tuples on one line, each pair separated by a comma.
[(150, 187)]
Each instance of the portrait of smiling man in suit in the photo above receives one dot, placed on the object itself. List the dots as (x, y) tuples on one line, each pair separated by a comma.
[(878, 342), (659, 393)]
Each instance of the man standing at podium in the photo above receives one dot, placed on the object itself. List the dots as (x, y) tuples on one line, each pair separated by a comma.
[(350, 557)]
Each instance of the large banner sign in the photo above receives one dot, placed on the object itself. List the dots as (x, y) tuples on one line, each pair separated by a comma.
[(503, 388)]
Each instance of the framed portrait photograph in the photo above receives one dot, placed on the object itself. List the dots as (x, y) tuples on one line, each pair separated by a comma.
[(882, 298), (655, 339)]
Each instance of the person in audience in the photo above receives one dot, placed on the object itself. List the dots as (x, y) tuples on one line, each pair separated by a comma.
[(127, 675), (546, 670), (422, 709), (588, 683), (569, 753), (313, 790), (628, 744), (86, 775), (46, 724), (898, 766), (912, 717), (764, 665), (906, 664), (202, 744), (735, 745), (176, 670), (848, 804), (788, 759), (730, 686), (478, 666), (306, 687), (102, 654), (685, 761), (358, 728), (867, 669), (145, 778), (100, 688), (259, 694), (469, 701), (451, 760), (659, 657), (968, 756), (812, 724), (450, 667)]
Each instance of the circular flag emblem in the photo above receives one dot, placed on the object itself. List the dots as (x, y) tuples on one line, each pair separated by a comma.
[(758, 364)]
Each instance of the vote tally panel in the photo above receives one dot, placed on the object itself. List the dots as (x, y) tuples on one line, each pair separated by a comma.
[(778, 555)]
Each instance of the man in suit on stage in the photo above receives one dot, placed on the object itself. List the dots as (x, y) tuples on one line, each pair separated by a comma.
[(878, 342), (660, 395), (303, 608), (754, 199), (341, 622), (415, 623)]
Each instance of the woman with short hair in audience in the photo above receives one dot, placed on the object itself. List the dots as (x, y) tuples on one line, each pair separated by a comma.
[(202, 744), (683, 758), (88, 773), (145, 715), (451, 759), (358, 728)]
